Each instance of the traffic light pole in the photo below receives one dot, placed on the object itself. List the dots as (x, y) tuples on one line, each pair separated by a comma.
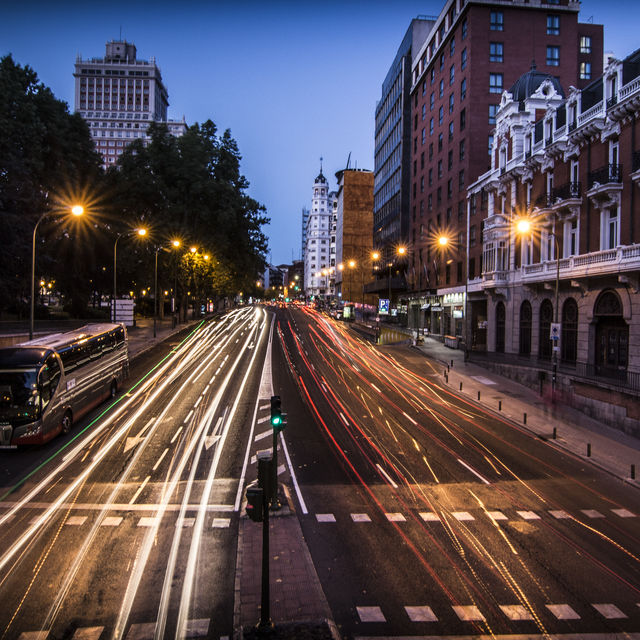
[(264, 477)]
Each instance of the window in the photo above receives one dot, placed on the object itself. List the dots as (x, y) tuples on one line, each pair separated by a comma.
[(461, 155), (452, 74), (439, 168), (423, 135), (424, 87), (424, 111), (463, 119), (430, 203), (415, 122), (441, 61), (439, 142), (464, 29), (422, 184), (544, 332), (570, 238), (496, 52), (463, 59), (449, 189), (497, 21), (448, 215), (463, 89), (430, 177), (493, 110), (585, 71), (553, 56), (422, 160), (441, 89), (432, 101), (431, 127), (452, 47), (495, 83), (450, 130), (430, 150), (609, 229), (585, 44), (433, 75), (450, 159), (440, 115), (526, 317), (490, 145), (461, 178), (569, 338), (451, 103), (553, 25)]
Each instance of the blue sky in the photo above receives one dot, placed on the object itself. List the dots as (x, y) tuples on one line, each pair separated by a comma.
[(292, 80)]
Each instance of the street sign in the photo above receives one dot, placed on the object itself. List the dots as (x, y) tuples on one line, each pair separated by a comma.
[(555, 331)]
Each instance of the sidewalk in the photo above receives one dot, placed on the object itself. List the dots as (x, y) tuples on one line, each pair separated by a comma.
[(610, 449), (141, 337)]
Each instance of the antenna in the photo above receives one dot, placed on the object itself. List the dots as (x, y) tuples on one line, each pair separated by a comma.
[(348, 160), (320, 164)]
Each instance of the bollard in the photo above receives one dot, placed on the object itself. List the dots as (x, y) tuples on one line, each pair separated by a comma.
[(478, 395), (444, 373), (461, 386), (446, 378), (499, 405), (452, 363), (524, 418), (633, 471), (588, 449), (555, 433)]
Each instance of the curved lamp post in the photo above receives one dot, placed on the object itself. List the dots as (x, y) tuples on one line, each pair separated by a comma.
[(140, 232), (77, 210)]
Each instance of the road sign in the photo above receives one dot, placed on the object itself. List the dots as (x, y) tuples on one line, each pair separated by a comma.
[(555, 331)]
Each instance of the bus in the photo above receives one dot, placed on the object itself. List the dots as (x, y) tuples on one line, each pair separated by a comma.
[(48, 382)]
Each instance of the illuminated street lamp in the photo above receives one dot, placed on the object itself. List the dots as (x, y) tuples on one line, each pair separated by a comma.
[(140, 232), (76, 210), (175, 244)]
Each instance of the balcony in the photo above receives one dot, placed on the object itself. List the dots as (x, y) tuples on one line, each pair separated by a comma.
[(568, 191), (543, 201), (635, 161), (608, 174), (612, 101)]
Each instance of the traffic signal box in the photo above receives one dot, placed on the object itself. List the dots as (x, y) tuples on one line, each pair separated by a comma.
[(254, 503), (277, 421)]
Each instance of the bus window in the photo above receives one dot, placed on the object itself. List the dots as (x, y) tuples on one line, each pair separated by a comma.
[(18, 395)]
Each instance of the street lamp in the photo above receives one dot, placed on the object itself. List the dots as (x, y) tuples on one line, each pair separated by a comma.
[(155, 283), (141, 232), (523, 227), (77, 210)]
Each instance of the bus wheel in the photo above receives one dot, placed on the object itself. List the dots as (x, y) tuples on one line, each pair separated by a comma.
[(113, 389), (67, 422)]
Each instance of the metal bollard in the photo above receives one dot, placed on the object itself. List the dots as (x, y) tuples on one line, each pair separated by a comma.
[(588, 449), (461, 386), (499, 405), (452, 363), (524, 418), (478, 395), (633, 471), (555, 432)]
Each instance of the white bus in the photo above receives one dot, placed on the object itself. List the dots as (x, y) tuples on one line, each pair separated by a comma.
[(47, 383)]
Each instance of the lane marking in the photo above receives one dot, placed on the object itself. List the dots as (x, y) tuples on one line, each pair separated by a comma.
[(563, 612), (468, 612), (429, 516), (462, 516), (560, 515), (146, 521), (624, 513), (120, 506), (186, 522), (111, 521), (160, 459), (475, 473), (325, 517), (592, 513), (516, 612), (220, 523), (139, 491), (175, 435), (76, 521), (88, 633), (198, 401), (370, 614), (188, 417), (395, 517), (262, 435), (528, 515), (408, 417), (360, 517), (496, 515), (609, 611), (421, 614)]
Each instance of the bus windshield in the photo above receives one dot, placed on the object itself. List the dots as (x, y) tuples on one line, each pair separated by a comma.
[(19, 397)]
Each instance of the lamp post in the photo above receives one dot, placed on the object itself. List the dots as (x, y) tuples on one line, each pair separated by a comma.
[(155, 284), (140, 232), (76, 210)]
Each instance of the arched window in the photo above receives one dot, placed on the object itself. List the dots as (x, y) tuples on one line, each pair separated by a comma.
[(546, 317), (500, 327), (612, 335), (526, 316), (569, 341)]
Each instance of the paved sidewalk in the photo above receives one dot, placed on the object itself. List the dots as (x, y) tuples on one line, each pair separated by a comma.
[(141, 337), (610, 449)]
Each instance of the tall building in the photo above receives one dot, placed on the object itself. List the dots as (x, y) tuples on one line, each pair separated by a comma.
[(119, 96), (353, 240), (474, 51), (317, 250), (557, 299)]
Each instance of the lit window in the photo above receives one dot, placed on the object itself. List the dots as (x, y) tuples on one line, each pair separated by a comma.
[(585, 44), (585, 71), (497, 21)]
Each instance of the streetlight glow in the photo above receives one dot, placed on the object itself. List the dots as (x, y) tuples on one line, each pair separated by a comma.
[(402, 250), (77, 210), (443, 241), (523, 225), (193, 249), (175, 243), (352, 264), (375, 255)]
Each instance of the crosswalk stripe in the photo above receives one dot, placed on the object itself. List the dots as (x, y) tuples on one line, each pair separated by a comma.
[(468, 613), (592, 513), (395, 517), (76, 521), (624, 513), (111, 521), (429, 516), (609, 611), (33, 635), (516, 612), (262, 435), (221, 523), (563, 612), (186, 522), (421, 614), (497, 515), (360, 517), (197, 628), (325, 517), (142, 631), (528, 515), (88, 633), (559, 514), (462, 515), (370, 614), (146, 521)]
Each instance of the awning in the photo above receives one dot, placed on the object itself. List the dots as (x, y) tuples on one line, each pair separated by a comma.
[(425, 307)]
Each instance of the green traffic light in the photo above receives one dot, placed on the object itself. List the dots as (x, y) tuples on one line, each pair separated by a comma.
[(276, 420)]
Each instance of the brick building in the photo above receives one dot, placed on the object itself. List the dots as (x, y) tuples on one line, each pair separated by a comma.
[(474, 51), (354, 245), (569, 167)]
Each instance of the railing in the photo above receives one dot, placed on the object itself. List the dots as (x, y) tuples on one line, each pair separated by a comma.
[(612, 101), (605, 175), (596, 110), (635, 161), (629, 88), (548, 141), (543, 201), (567, 191), (560, 131), (538, 145), (572, 126), (619, 378)]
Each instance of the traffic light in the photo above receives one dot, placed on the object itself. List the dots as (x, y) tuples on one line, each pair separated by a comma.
[(254, 503), (276, 413)]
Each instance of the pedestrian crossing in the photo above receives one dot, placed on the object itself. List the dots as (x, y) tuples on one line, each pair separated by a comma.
[(466, 516), (472, 613)]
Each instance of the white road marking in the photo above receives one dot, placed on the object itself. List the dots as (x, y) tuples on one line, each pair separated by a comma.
[(516, 612), (147, 521), (482, 380), (140, 488), (281, 469), (197, 628), (88, 633), (160, 459), (360, 517), (395, 517), (344, 419), (462, 515), (262, 435), (119, 506), (609, 611), (429, 516), (144, 631), (563, 612), (221, 523), (370, 614), (468, 612), (188, 417), (263, 420), (624, 513), (592, 513), (560, 515), (111, 521), (325, 517), (421, 614), (76, 521), (33, 635), (175, 435), (475, 473), (497, 515), (198, 401), (528, 515), (387, 476), (373, 386), (292, 473), (186, 522)]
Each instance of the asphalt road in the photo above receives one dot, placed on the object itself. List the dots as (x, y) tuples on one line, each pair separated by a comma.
[(429, 516), (128, 527)]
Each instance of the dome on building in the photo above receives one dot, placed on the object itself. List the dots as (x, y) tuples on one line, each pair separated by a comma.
[(528, 83), (321, 178)]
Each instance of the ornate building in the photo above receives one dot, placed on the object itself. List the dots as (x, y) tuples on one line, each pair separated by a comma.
[(558, 294)]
